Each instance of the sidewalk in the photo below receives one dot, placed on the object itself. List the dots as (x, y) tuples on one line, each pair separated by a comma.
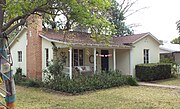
[(158, 85)]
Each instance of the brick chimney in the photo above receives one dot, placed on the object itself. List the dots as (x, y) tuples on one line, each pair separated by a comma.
[(34, 47)]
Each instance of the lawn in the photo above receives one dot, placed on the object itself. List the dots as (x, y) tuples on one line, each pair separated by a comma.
[(171, 81), (127, 97)]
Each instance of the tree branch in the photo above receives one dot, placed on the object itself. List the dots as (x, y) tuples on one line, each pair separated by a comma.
[(135, 11), (2, 3), (22, 22), (7, 25)]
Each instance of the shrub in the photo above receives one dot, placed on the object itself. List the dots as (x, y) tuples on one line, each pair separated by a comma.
[(31, 83), (150, 72), (173, 63), (18, 77), (87, 83), (21, 80), (55, 69)]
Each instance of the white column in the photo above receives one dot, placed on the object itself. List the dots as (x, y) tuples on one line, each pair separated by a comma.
[(70, 62), (114, 58), (94, 60), (130, 63)]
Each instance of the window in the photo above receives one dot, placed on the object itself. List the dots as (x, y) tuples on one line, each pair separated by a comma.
[(47, 57), (78, 57), (146, 56), (19, 56)]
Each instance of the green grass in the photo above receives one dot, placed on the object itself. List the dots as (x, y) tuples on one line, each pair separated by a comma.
[(171, 81), (127, 97)]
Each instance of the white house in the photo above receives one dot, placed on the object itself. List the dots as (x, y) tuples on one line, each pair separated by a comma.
[(34, 47)]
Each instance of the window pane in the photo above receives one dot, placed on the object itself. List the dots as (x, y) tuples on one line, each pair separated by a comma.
[(78, 57), (146, 56), (81, 56), (75, 57), (19, 56), (47, 56)]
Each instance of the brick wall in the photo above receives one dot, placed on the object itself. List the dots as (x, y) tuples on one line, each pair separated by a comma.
[(34, 47)]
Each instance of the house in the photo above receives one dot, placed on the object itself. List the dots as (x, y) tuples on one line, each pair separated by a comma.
[(169, 50), (34, 47)]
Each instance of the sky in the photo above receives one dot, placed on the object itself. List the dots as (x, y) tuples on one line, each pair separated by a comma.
[(159, 18)]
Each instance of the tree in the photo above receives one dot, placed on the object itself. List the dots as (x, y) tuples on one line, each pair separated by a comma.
[(115, 14), (13, 14), (176, 41), (117, 17)]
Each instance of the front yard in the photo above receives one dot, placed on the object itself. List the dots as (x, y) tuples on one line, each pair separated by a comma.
[(171, 81), (126, 97)]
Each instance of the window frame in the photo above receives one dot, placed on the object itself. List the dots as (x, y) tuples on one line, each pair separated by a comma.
[(19, 56), (146, 56), (78, 57)]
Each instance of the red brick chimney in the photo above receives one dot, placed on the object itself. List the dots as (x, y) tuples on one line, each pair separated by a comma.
[(34, 47)]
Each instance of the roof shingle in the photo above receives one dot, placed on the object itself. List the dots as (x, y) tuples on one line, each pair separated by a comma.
[(85, 38)]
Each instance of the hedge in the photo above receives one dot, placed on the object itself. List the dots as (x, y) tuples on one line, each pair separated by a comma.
[(153, 71), (80, 83), (88, 83)]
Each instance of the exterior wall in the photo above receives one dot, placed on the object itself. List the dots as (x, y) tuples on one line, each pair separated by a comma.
[(52, 54), (177, 57), (34, 46), (138, 55), (20, 45), (122, 61), (46, 45)]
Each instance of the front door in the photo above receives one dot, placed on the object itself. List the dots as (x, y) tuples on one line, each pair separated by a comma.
[(104, 60)]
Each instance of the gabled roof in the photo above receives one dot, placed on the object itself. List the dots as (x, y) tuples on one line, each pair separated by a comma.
[(76, 38), (132, 39), (80, 38), (85, 38)]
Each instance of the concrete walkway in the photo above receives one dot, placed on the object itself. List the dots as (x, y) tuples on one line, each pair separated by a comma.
[(158, 85)]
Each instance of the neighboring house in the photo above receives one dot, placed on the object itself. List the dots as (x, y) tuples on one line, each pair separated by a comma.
[(34, 48), (169, 50)]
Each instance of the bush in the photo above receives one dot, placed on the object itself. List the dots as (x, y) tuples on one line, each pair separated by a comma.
[(87, 83), (31, 83), (21, 80), (57, 80), (18, 77), (173, 63), (150, 72)]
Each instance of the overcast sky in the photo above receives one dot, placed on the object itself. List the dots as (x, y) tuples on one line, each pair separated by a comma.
[(159, 18)]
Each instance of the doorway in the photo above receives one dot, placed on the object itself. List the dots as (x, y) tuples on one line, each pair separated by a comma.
[(105, 60)]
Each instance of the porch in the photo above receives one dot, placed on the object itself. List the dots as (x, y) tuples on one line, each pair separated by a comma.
[(90, 60)]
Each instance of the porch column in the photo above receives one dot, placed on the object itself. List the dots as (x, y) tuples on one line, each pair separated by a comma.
[(94, 60), (130, 63), (70, 62), (114, 58)]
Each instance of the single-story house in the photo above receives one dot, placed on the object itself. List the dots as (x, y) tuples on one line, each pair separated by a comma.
[(33, 48)]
